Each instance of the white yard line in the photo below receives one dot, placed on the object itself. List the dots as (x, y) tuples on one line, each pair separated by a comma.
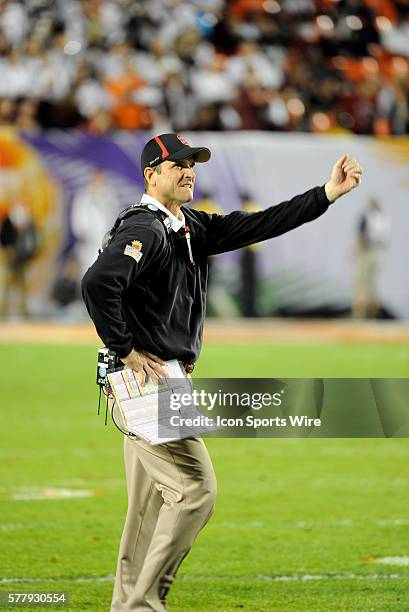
[(404, 561), (303, 524), (14, 453), (393, 522), (53, 493), (12, 526), (64, 483)]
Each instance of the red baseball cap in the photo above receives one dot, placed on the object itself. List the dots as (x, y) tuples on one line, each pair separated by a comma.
[(172, 147)]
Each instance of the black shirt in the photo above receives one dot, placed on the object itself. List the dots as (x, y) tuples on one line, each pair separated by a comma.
[(150, 296)]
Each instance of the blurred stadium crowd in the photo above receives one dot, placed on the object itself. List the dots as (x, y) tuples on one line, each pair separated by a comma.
[(284, 65)]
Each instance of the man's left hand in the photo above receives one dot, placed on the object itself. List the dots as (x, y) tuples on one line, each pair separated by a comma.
[(346, 175)]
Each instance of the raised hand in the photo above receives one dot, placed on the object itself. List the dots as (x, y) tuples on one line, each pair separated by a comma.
[(346, 174)]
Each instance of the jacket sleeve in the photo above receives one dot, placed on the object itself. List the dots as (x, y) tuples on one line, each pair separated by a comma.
[(239, 229), (117, 267)]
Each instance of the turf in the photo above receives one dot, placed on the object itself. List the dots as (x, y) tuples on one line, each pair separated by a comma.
[(286, 508), (305, 360)]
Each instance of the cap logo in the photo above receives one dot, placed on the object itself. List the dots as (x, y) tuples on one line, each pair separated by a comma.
[(182, 140)]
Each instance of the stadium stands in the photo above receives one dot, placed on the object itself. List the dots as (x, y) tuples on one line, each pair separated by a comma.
[(282, 65)]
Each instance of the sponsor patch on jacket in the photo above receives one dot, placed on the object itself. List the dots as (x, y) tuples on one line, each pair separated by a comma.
[(134, 250)]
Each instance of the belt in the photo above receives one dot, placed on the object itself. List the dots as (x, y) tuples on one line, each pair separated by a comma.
[(189, 367)]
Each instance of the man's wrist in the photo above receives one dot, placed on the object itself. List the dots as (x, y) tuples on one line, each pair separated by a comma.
[(125, 353), (129, 355), (329, 192)]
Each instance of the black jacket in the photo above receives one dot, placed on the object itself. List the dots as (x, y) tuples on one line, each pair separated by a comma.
[(156, 301)]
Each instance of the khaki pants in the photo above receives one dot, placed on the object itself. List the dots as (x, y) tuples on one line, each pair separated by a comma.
[(171, 493)]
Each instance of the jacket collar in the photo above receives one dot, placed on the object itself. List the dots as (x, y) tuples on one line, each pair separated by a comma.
[(175, 223)]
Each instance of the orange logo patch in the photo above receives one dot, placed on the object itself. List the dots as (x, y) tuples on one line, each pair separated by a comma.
[(134, 250), (137, 245)]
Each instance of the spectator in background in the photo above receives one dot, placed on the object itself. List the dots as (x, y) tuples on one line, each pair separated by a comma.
[(15, 79), (19, 241), (100, 122), (208, 204), (252, 103), (35, 63), (103, 22), (248, 267), (179, 101), (123, 88), (359, 103), (393, 105), (26, 117), (212, 85), (90, 95), (66, 288), (94, 23), (92, 214), (7, 111), (396, 38), (372, 240), (14, 21), (267, 69), (61, 66)]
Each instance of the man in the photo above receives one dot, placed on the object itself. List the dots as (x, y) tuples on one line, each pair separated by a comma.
[(19, 240), (217, 297), (248, 267), (371, 243), (93, 208), (146, 295)]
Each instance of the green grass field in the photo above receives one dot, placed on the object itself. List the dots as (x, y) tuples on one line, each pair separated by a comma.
[(299, 525)]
